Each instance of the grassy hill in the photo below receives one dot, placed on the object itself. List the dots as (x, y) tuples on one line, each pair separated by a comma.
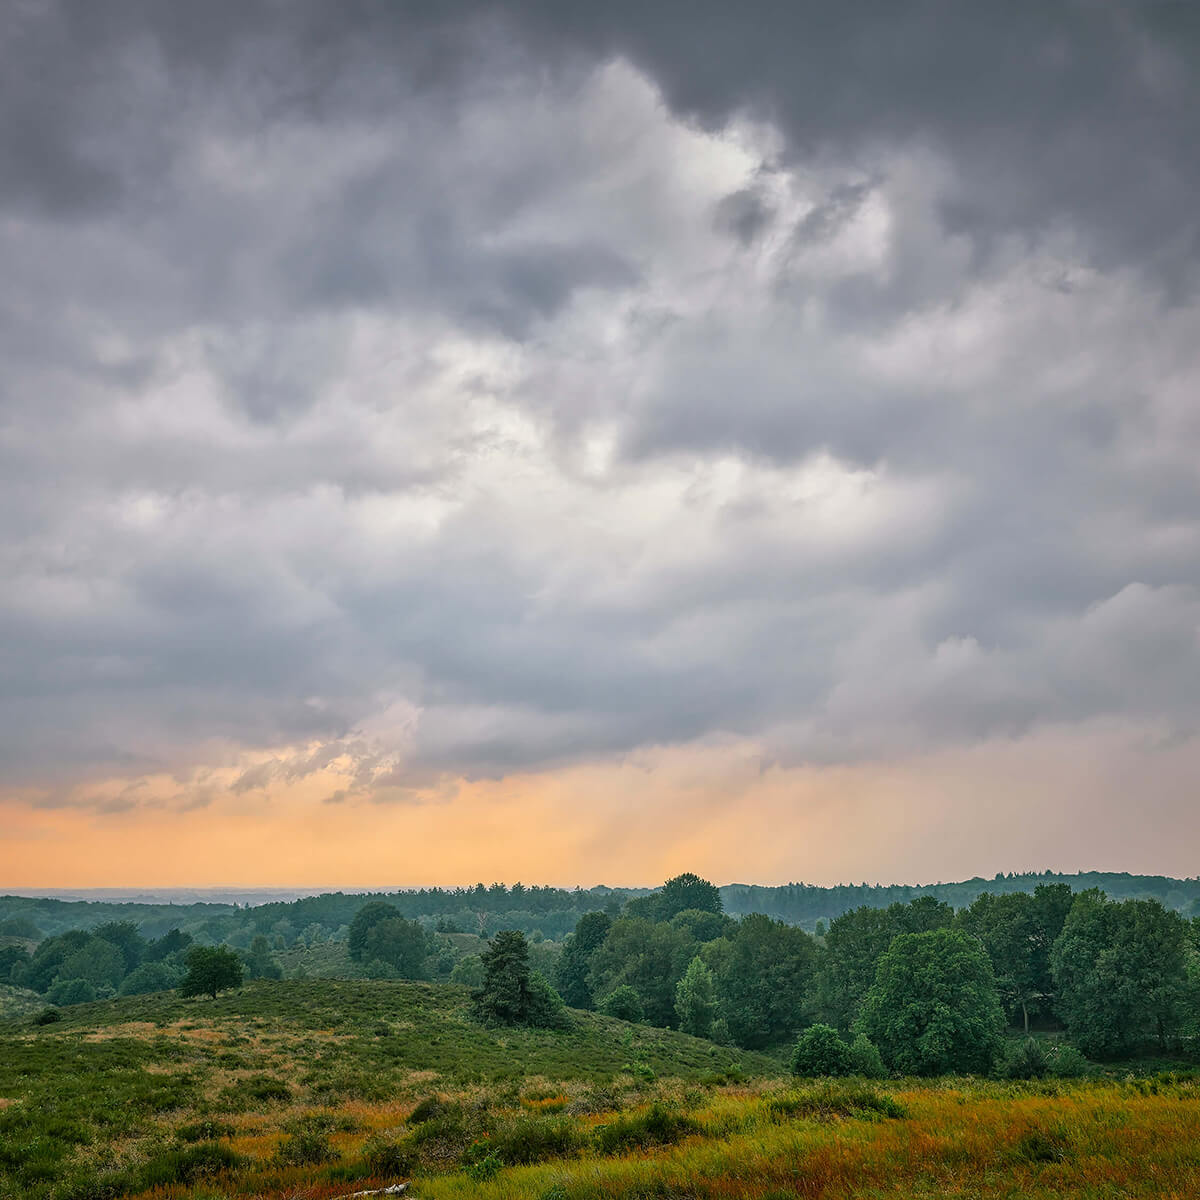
[(309, 1090), (102, 1093)]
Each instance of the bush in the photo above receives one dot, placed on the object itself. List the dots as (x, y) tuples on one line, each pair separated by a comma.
[(1025, 1060), (865, 1059), (388, 1157), (201, 1161), (624, 1003), (47, 1016), (819, 1050), (427, 1109), (1043, 1146), (835, 1100), (546, 1007), (530, 1140), (1065, 1062), (204, 1131), (308, 1146), (655, 1126), (71, 991)]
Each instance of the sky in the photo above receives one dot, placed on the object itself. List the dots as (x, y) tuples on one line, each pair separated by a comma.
[(583, 442)]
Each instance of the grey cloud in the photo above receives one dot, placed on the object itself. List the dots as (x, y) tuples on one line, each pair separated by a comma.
[(312, 328)]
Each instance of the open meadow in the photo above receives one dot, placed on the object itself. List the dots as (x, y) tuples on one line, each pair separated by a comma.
[(306, 1090)]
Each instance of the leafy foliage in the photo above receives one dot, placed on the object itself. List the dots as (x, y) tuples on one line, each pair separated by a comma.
[(933, 1007), (819, 1050), (210, 969), (695, 999)]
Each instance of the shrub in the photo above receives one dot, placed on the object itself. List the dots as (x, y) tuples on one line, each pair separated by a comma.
[(71, 991), (201, 1161), (1065, 1062), (654, 1126), (308, 1146), (1043, 1146), (204, 1131), (427, 1109), (532, 1139), (47, 1016), (624, 1003), (819, 1050), (835, 1100), (264, 1088), (1025, 1060), (546, 1008), (388, 1157), (865, 1059)]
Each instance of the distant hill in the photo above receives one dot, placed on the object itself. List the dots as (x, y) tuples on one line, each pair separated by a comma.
[(804, 903), (551, 911)]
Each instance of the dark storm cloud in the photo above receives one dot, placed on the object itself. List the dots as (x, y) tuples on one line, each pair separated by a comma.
[(419, 384)]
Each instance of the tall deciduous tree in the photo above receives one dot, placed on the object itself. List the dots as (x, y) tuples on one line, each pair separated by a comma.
[(211, 969), (650, 957), (1121, 972), (696, 999), (364, 921), (934, 1007), (764, 977), (576, 961)]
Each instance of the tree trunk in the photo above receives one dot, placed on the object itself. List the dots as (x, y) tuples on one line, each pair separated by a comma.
[(1025, 1012)]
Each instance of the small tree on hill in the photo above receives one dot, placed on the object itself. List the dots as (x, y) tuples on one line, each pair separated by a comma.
[(819, 1050), (402, 945), (576, 961), (623, 1003), (210, 969), (512, 994), (365, 920), (695, 999)]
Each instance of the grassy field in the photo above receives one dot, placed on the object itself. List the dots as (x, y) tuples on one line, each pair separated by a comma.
[(306, 1090)]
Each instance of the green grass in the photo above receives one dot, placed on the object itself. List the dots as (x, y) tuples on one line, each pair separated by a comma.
[(306, 1090), (106, 1101)]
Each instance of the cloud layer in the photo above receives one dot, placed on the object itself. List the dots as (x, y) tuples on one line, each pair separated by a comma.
[(406, 396)]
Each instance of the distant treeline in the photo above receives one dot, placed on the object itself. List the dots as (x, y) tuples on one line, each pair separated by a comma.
[(805, 903), (479, 909), (550, 911)]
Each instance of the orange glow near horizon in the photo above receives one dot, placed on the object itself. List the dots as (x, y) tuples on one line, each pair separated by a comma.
[(712, 808)]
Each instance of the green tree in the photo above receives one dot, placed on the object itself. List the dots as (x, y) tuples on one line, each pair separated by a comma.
[(99, 962), (1121, 973), (695, 999), (402, 945), (933, 1007), (71, 991), (260, 962), (1018, 931), (764, 980), (364, 921), (704, 927), (511, 994), (12, 960), (865, 1059), (819, 1050), (149, 977), (623, 1003), (852, 947), (210, 969), (468, 970), (173, 943), (576, 962), (125, 936), (651, 957), (686, 891)]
